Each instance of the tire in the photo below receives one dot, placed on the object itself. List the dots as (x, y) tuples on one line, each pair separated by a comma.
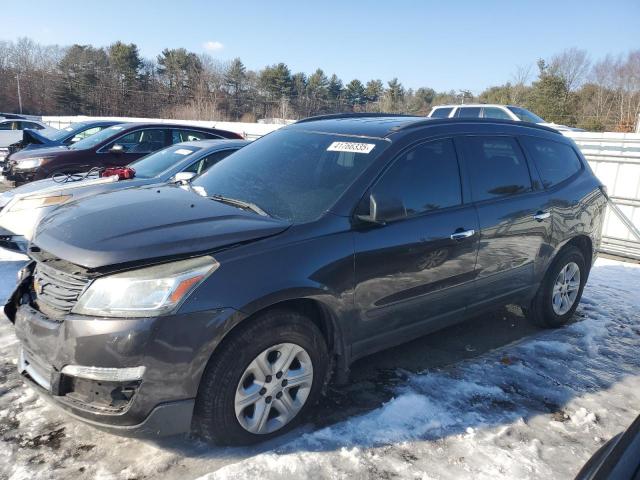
[(229, 380), (546, 310)]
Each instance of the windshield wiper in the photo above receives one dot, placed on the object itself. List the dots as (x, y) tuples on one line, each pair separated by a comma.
[(240, 204)]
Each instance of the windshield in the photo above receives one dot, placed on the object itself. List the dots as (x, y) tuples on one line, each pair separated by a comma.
[(526, 115), (291, 174), (155, 163), (94, 140)]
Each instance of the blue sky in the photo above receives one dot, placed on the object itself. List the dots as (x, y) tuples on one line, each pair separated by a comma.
[(440, 44)]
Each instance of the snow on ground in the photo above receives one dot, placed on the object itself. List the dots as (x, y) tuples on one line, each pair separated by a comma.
[(535, 408)]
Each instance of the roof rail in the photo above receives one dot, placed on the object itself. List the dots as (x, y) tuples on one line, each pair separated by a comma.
[(333, 116), (435, 121)]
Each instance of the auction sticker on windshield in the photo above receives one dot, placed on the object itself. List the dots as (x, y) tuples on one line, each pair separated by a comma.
[(351, 147), (184, 151)]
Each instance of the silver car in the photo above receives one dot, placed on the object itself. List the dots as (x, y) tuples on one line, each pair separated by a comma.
[(24, 207)]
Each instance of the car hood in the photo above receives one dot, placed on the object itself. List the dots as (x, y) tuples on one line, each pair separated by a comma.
[(142, 224), (40, 152)]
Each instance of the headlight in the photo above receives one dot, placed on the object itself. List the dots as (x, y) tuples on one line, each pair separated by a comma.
[(3, 153), (28, 203), (29, 163), (146, 292)]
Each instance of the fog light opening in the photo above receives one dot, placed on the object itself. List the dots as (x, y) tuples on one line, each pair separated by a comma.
[(128, 374)]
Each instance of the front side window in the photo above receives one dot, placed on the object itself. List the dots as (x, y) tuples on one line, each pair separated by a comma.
[(425, 178), (494, 112), (555, 161), (468, 112), (497, 167), (293, 174), (158, 162), (7, 126), (142, 141), (441, 112)]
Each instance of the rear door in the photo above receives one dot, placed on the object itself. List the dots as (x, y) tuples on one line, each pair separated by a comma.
[(514, 215), (419, 268)]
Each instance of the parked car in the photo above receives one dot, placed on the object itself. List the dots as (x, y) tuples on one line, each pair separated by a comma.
[(501, 112), (24, 207), (228, 306), (11, 131), (618, 459), (34, 139), (112, 147)]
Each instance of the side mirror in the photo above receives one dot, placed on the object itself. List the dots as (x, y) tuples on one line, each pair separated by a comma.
[(383, 210), (183, 177), (117, 149)]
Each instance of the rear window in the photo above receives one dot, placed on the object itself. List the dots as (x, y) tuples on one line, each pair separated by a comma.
[(441, 112), (497, 167), (555, 161)]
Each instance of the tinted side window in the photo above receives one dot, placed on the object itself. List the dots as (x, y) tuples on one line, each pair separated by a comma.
[(424, 178), (441, 113), (555, 161), (494, 112), (178, 136), (496, 167), (468, 112), (142, 141)]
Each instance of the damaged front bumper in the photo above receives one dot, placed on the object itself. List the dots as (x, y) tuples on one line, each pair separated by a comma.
[(133, 377)]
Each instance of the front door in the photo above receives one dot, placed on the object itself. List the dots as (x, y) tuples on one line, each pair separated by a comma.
[(418, 268)]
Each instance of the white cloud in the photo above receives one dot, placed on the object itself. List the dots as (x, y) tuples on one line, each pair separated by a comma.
[(212, 46)]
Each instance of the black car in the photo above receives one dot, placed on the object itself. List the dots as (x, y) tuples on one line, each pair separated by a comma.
[(33, 139), (114, 146), (618, 459), (227, 307)]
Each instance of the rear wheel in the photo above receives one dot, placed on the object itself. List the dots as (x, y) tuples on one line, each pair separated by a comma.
[(262, 380), (561, 290)]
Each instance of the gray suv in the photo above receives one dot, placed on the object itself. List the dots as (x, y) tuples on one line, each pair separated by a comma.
[(226, 307)]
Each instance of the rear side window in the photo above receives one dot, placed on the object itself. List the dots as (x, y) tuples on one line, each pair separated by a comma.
[(424, 178), (178, 136), (497, 167), (468, 112), (441, 112), (494, 112), (205, 163), (555, 161)]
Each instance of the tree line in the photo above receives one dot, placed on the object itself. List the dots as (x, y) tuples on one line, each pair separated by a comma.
[(568, 88)]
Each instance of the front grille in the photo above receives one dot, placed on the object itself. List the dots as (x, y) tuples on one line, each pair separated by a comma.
[(56, 292)]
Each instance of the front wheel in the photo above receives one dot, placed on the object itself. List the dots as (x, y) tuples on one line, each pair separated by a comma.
[(560, 291), (262, 380)]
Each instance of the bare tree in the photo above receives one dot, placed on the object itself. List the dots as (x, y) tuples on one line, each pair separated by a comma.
[(572, 65)]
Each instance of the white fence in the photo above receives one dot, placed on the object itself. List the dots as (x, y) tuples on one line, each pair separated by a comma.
[(614, 157)]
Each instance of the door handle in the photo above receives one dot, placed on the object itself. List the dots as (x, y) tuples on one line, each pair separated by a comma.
[(462, 235), (540, 216)]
